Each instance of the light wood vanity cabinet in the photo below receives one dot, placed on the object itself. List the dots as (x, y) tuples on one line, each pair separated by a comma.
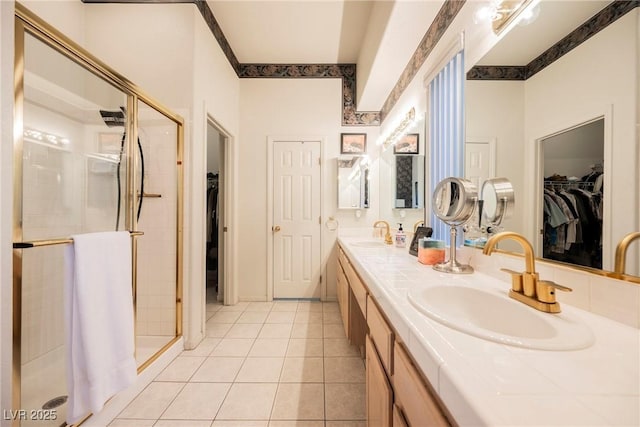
[(398, 394)]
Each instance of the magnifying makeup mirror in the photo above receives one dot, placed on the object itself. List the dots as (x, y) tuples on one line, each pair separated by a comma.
[(454, 200)]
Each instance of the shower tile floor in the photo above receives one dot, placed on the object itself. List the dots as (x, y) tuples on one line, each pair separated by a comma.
[(262, 364)]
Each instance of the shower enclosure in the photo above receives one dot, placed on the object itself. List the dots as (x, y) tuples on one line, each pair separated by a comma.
[(79, 170)]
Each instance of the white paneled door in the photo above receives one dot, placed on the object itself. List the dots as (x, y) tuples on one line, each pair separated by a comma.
[(477, 162), (296, 219)]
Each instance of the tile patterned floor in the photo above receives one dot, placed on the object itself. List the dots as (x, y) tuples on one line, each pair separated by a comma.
[(262, 364)]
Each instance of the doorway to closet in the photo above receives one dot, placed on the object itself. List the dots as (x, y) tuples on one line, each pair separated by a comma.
[(215, 213), (573, 167)]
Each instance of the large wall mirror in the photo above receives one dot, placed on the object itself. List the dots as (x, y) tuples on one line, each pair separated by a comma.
[(561, 109)]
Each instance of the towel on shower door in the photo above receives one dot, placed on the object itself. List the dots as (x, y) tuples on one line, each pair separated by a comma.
[(98, 321)]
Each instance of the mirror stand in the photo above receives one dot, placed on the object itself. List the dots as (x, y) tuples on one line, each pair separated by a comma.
[(453, 266)]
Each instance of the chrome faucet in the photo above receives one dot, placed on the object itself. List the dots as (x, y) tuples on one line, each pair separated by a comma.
[(387, 236), (621, 252), (527, 287), (417, 224)]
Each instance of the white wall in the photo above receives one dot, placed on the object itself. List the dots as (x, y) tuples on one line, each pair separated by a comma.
[(216, 93), (185, 70), (64, 15), (133, 39), (495, 109), (573, 153), (290, 108)]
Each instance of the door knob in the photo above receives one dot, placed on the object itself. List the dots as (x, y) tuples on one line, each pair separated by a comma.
[(275, 228)]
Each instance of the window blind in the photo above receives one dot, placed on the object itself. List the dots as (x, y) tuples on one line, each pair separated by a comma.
[(446, 132)]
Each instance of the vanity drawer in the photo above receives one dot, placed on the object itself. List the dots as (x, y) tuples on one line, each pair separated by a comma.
[(413, 397), (381, 335)]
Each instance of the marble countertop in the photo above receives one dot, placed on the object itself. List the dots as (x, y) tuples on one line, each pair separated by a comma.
[(487, 383)]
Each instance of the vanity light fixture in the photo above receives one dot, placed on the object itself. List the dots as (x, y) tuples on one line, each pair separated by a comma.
[(399, 131), (503, 12)]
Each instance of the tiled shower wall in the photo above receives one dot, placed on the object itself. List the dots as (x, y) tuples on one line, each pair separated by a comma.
[(156, 293), (54, 205)]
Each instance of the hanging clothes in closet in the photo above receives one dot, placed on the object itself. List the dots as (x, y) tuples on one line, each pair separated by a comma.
[(573, 219)]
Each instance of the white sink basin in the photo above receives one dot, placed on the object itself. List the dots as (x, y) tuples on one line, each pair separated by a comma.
[(368, 243), (493, 316)]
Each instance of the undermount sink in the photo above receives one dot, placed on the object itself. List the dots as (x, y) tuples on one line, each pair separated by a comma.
[(493, 316), (368, 243)]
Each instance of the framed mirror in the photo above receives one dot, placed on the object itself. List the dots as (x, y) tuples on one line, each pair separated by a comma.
[(353, 182), (574, 65)]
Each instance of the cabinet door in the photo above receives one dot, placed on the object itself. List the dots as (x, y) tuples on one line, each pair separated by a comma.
[(379, 392), (381, 334), (412, 395), (343, 298)]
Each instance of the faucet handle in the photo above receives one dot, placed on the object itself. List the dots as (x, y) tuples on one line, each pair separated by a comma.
[(516, 279), (545, 289)]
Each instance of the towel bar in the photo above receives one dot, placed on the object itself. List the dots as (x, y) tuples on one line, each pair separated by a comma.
[(51, 242)]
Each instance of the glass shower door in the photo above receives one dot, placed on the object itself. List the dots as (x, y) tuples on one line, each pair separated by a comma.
[(157, 215), (73, 181)]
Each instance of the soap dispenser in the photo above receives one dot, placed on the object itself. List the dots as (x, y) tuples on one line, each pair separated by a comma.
[(401, 238)]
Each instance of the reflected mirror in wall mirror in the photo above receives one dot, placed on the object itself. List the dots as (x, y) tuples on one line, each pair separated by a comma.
[(495, 205), (409, 181), (537, 82), (498, 202), (353, 182)]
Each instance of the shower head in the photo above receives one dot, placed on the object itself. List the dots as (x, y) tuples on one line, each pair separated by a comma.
[(113, 118)]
